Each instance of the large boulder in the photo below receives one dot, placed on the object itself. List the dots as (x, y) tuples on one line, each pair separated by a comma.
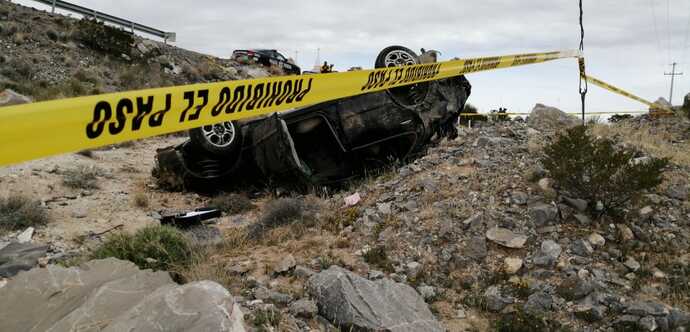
[(113, 295), (547, 117), (356, 303), (9, 97)]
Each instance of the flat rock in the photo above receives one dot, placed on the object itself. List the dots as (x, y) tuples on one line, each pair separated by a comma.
[(26, 235), (506, 237), (646, 308), (543, 214), (354, 302), (16, 257), (286, 264), (114, 295), (9, 97)]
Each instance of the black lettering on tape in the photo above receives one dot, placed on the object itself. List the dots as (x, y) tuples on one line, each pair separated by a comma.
[(223, 100), (258, 94), (244, 101), (189, 96), (123, 106), (156, 119), (101, 114), (237, 97), (275, 93), (287, 89), (304, 93), (143, 109)]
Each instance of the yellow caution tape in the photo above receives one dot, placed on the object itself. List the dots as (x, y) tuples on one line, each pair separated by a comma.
[(602, 84), (46, 128)]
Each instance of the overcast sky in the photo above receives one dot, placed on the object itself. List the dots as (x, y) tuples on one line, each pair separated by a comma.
[(627, 43)]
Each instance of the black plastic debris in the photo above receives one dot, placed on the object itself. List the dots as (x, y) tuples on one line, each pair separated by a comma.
[(190, 219)]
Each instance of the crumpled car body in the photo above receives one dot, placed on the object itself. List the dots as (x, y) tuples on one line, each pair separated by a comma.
[(322, 144)]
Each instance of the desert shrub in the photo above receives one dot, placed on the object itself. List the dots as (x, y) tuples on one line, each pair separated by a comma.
[(281, 212), (81, 177), (141, 200), (100, 37), (597, 170), (52, 35), (378, 257), (522, 321), (19, 212), (471, 109), (232, 203), (152, 247), (619, 117)]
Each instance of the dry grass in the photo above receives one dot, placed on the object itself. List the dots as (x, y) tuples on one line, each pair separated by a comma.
[(656, 143), (141, 200), (232, 203), (81, 177), (19, 212)]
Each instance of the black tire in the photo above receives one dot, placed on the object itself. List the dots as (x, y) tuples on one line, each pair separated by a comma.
[(408, 96), (221, 139)]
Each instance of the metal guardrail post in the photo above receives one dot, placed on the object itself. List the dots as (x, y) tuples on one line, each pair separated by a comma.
[(53, 7)]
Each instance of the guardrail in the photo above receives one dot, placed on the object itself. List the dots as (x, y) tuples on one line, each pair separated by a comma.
[(87, 12)]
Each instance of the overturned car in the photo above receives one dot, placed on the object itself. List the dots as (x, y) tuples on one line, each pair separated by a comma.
[(322, 144)]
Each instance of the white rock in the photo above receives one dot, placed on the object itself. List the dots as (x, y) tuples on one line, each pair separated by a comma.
[(596, 240), (353, 199), (26, 235), (512, 264)]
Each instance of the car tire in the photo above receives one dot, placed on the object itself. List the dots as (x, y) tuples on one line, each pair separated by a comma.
[(220, 139), (408, 96)]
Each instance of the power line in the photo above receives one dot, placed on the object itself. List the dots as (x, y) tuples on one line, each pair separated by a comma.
[(687, 36), (668, 29), (656, 29)]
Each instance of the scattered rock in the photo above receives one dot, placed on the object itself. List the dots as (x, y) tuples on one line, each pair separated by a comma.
[(551, 249), (631, 264), (8, 98), (114, 295), (678, 192), (506, 237), (305, 308), (646, 308), (495, 301), (17, 257), (590, 313), (475, 248), (582, 219), (576, 203), (625, 233), (413, 269), (286, 264), (26, 235), (512, 264), (596, 240), (383, 305), (538, 303), (303, 272), (582, 248), (574, 288), (543, 214)]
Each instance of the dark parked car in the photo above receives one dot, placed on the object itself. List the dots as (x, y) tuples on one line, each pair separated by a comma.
[(267, 58), (320, 144)]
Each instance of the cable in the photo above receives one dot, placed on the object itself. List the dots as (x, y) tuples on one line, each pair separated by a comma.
[(687, 37), (581, 62), (656, 30), (668, 29)]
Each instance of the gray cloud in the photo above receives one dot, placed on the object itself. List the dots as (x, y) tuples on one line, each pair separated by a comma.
[(621, 42)]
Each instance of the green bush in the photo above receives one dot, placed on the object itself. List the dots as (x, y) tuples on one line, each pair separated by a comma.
[(596, 170), (100, 37), (152, 247), (19, 212), (81, 177)]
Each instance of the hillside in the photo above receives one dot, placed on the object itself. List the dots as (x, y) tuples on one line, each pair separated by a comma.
[(479, 234)]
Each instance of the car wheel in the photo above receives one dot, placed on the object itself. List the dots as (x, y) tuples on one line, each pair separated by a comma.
[(395, 56), (220, 139)]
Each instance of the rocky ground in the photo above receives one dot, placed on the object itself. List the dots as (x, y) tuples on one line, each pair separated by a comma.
[(471, 237)]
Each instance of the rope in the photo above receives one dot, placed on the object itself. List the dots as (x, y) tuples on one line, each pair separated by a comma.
[(581, 61)]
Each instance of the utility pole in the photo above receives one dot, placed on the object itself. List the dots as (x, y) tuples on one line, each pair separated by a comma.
[(673, 75)]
